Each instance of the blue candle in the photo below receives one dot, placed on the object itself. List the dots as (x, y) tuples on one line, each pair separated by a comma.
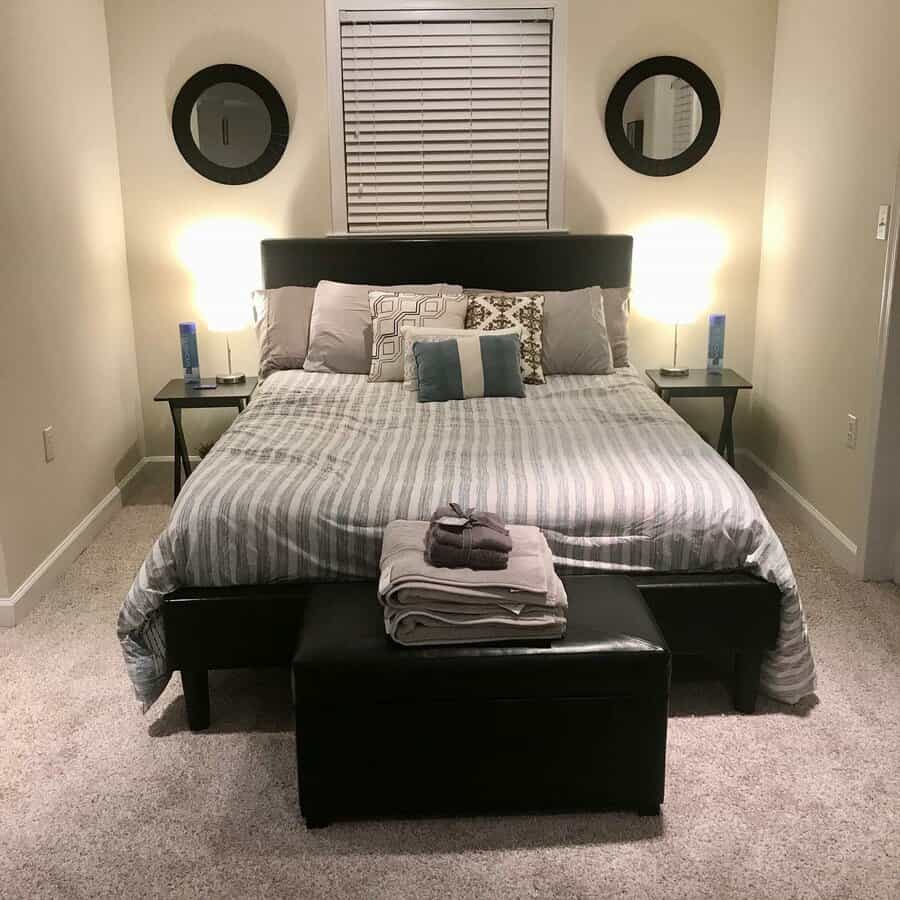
[(190, 357), (716, 352)]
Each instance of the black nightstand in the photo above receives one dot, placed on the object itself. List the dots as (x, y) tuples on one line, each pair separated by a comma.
[(180, 396), (700, 383)]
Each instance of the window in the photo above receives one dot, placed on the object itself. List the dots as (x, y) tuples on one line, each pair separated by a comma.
[(446, 119)]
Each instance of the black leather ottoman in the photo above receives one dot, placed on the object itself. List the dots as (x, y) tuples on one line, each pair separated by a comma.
[(575, 724)]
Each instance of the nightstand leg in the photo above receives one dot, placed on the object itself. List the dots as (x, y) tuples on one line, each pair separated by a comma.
[(726, 435), (181, 451), (176, 470)]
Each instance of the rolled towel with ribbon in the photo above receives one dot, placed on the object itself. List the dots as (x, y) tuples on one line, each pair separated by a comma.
[(467, 538)]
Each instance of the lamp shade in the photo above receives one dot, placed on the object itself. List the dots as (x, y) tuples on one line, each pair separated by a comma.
[(674, 268), (223, 310), (222, 256)]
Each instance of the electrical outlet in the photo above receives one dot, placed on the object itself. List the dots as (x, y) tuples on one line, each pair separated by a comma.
[(851, 431), (49, 444)]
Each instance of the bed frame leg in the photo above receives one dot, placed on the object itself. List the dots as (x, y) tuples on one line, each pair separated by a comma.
[(195, 684), (746, 679)]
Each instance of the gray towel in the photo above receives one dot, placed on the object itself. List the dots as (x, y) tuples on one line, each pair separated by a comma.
[(424, 628), (453, 555), (480, 531)]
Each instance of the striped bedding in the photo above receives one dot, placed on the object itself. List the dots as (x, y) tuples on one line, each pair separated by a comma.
[(303, 483)]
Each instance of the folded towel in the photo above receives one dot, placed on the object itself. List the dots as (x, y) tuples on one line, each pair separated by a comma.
[(528, 578), (454, 556), (424, 604), (427, 595), (423, 628), (457, 527)]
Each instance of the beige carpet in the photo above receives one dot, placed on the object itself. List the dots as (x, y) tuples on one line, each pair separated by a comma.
[(96, 800)]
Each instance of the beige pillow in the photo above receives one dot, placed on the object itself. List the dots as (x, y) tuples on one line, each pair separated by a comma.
[(575, 333), (391, 310), (281, 318), (413, 334), (616, 306), (340, 330)]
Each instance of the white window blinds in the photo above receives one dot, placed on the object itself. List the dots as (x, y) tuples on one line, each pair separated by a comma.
[(446, 119)]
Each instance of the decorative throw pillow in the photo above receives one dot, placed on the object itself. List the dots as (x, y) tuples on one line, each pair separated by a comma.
[(413, 334), (490, 312), (392, 310), (281, 319), (476, 365), (340, 330), (616, 305)]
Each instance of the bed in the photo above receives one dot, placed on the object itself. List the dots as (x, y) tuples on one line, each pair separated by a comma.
[(299, 489)]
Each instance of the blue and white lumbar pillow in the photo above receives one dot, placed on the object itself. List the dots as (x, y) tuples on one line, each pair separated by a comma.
[(485, 365), (411, 334)]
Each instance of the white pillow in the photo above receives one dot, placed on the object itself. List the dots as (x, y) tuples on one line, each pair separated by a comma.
[(411, 334), (340, 330)]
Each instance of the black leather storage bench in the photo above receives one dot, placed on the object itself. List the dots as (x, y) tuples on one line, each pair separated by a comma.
[(574, 724)]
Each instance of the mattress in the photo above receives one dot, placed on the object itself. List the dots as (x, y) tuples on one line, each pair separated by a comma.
[(303, 483)]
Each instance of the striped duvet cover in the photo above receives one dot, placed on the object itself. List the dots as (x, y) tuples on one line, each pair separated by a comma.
[(303, 483)]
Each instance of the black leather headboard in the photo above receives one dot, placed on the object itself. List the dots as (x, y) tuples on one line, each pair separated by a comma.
[(510, 263)]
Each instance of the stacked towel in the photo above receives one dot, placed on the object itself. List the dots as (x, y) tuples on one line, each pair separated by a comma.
[(467, 538), (424, 604)]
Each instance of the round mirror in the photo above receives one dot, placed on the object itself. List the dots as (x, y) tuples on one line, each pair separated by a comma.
[(662, 116), (230, 124)]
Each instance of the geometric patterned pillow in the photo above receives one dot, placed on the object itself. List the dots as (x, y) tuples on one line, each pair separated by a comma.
[(391, 311), (490, 312)]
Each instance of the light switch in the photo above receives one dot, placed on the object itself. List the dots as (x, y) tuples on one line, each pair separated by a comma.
[(884, 217), (49, 444)]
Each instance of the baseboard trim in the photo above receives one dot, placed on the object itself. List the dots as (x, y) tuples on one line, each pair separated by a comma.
[(15, 608), (839, 546), (168, 459)]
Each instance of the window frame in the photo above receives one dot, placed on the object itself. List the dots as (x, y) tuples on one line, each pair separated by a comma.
[(334, 74)]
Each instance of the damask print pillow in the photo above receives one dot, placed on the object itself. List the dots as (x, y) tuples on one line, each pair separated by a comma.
[(491, 312)]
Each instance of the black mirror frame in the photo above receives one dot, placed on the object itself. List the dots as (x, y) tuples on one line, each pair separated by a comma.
[(181, 123), (709, 126)]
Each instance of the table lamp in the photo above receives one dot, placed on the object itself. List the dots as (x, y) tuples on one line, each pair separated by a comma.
[(222, 256), (675, 266)]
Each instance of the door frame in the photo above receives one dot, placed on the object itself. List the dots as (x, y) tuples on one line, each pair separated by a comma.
[(880, 547)]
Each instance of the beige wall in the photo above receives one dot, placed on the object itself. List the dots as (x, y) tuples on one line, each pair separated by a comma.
[(155, 47), (67, 344), (835, 136)]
